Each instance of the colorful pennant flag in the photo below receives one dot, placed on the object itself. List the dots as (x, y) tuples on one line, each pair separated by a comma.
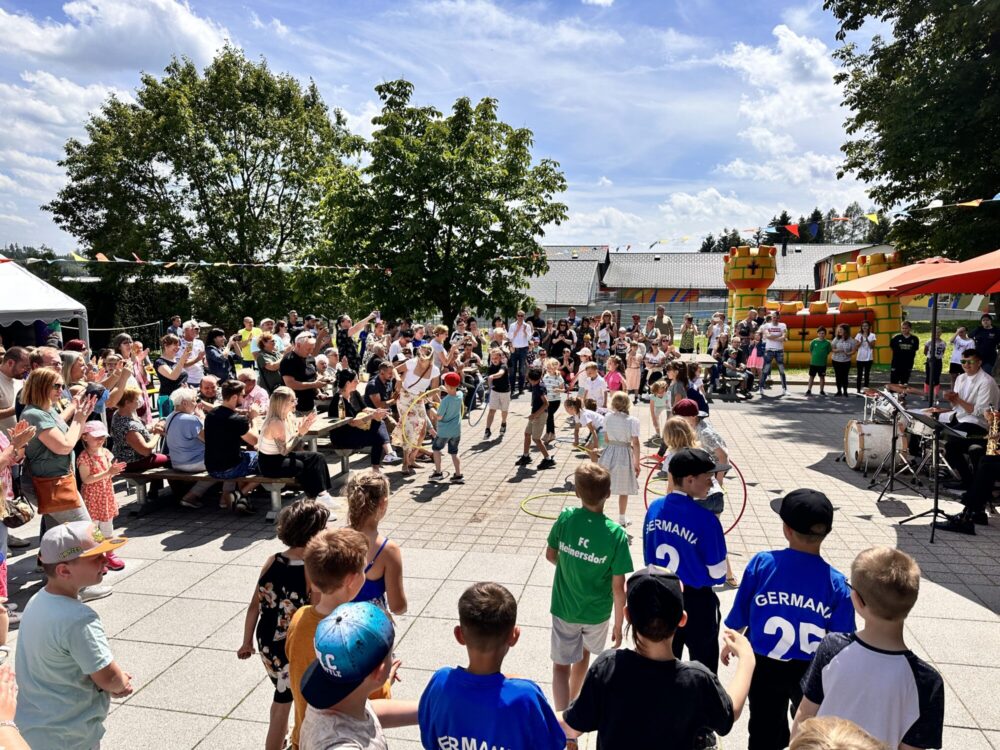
[(813, 229), (792, 229), (102, 258), (873, 218), (78, 258), (972, 204)]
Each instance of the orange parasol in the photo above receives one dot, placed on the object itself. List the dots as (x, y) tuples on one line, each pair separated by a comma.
[(888, 282), (979, 275)]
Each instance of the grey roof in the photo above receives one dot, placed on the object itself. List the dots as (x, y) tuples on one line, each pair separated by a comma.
[(568, 282), (577, 252)]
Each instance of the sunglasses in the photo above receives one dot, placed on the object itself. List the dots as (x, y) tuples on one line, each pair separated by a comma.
[(60, 386), (969, 361), (860, 598)]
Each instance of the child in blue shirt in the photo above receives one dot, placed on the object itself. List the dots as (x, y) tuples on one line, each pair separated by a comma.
[(788, 601), (478, 706), (449, 429)]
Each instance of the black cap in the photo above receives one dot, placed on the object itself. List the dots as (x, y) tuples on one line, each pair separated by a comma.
[(688, 462), (310, 317), (654, 593), (805, 511)]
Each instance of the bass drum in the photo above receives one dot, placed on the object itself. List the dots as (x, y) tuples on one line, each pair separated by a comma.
[(866, 443)]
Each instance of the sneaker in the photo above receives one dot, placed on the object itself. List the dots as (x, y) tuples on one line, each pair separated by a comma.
[(809, 391), (91, 593), (959, 523), (437, 476), (458, 479), (325, 498), (624, 521), (784, 391), (15, 542), (547, 463), (980, 518), (523, 460), (114, 562), (822, 393), (391, 458), (706, 742), (503, 428), (488, 434)]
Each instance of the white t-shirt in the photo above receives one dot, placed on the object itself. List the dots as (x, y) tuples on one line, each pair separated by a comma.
[(588, 417), (336, 731), (865, 344), (779, 331), (394, 348), (520, 334), (9, 388), (196, 372), (957, 351), (596, 389)]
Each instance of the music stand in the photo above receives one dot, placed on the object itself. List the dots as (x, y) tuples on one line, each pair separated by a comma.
[(898, 411), (939, 429)]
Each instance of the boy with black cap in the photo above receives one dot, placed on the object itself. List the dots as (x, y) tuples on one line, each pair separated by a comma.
[(788, 600), (684, 536), (625, 691)]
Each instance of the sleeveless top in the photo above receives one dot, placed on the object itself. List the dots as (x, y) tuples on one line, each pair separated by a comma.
[(374, 590), (281, 590)]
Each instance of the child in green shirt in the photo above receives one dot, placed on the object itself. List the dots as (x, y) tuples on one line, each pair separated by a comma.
[(449, 429), (819, 350)]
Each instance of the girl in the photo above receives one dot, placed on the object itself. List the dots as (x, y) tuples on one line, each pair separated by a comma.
[(97, 468), (584, 413), (367, 504), (170, 371), (11, 454), (755, 360), (678, 374), (959, 343), (688, 331), (633, 370), (657, 405), (843, 348), (614, 377), (281, 589), (621, 456), (499, 399), (932, 371), (279, 435), (555, 387), (865, 346)]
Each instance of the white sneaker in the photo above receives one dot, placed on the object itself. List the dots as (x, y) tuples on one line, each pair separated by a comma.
[(624, 521), (91, 593), (784, 391), (391, 458), (325, 498)]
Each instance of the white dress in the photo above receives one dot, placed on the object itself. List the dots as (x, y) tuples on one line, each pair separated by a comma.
[(619, 429)]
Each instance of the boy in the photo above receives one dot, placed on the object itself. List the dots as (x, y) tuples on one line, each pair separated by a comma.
[(591, 555), (819, 351), (449, 429), (592, 385), (685, 537), (335, 566), (904, 347), (535, 428), (788, 600), (353, 649), (478, 706), (66, 673), (871, 677)]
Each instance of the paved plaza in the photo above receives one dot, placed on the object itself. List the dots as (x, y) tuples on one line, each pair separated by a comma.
[(176, 617)]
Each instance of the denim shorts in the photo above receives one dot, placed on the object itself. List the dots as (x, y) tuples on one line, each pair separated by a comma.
[(439, 443), (246, 467)]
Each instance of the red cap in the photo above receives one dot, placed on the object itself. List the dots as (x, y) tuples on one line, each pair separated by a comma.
[(452, 379)]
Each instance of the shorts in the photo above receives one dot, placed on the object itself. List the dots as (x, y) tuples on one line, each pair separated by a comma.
[(500, 401), (439, 443), (569, 639), (246, 467), (955, 369), (815, 370), (900, 375), (535, 427), (716, 502)]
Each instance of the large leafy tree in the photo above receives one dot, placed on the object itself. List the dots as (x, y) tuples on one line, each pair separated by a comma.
[(925, 119), (214, 167), (447, 212)]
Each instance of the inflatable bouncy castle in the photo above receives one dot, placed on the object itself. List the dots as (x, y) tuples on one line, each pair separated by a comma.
[(749, 273)]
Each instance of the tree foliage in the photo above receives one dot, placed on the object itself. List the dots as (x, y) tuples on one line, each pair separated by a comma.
[(451, 205), (727, 238), (926, 117)]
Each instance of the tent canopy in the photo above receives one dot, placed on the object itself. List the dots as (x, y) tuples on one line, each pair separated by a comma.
[(980, 275), (887, 281), (25, 298)]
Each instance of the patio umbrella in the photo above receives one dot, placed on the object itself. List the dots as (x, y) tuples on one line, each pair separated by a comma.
[(980, 275), (887, 282)]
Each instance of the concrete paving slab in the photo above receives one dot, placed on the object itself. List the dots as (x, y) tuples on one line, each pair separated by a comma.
[(975, 687), (230, 583), (123, 608), (140, 728), (182, 622), (166, 577), (235, 735), (144, 661), (958, 641), (496, 566)]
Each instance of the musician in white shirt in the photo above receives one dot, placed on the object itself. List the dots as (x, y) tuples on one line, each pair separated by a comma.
[(520, 338)]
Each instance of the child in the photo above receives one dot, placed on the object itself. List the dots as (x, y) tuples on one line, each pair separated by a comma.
[(633, 370), (449, 429), (657, 405), (97, 468), (682, 535), (479, 706), (819, 350), (353, 657), (831, 733), (281, 589), (591, 555), (555, 387), (601, 355), (367, 503), (592, 385), (621, 456), (677, 374), (335, 566), (755, 362), (614, 378), (498, 381), (585, 415), (646, 698), (871, 677), (788, 600), (535, 428)]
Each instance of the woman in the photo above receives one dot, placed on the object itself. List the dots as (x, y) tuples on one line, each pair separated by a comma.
[(221, 355), (281, 333), (864, 344), (170, 370), (653, 362), (560, 340), (268, 362), (124, 346), (547, 334), (11, 454), (276, 456), (74, 371), (135, 444), (719, 353), (476, 335), (377, 336), (469, 365), (416, 376), (688, 331), (959, 343), (365, 428), (843, 348), (184, 438)]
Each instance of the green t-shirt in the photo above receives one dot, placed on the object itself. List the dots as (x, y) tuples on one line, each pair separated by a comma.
[(450, 417), (819, 350), (43, 462), (592, 548)]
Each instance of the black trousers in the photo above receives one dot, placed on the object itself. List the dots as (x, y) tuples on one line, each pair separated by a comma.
[(374, 437), (900, 374), (986, 476), (775, 694), (550, 419), (701, 634), (963, 454), (648, 378), (308, 467), (864, 374), (842, 371)]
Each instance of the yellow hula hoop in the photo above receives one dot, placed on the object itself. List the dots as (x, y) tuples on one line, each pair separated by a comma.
[(524, 504), (406, 413)]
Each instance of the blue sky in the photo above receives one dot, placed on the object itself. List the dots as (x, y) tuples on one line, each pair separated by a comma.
[(670, 118)]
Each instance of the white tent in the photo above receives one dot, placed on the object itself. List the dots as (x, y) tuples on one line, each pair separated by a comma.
[(25, 298)]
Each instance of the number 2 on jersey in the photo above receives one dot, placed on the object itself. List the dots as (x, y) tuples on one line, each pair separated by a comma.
[(787, 640)]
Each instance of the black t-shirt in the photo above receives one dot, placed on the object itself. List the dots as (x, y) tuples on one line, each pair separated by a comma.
[(537, 323), (382, 389), (501, 384), (168, 386), (641, 704), (538, 394), (302, 369), (372, 367), (986, 343), (904, 349), (224, 430), (745, 329), (348, 349)]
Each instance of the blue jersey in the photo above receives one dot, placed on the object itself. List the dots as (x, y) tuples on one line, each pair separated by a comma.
[(788, 600), (683, 536), (461, 710)]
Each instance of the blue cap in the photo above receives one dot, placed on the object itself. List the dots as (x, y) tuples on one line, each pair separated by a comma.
[(350, 644)]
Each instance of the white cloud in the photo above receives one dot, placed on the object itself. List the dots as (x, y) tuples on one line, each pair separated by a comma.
[(11, 219), (602, 3), (360, 123), (803, 17), (604, 182), (709, 209), (768, 141), (112, 34)]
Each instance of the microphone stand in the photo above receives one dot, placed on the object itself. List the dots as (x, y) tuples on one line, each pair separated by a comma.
[(939, 429)]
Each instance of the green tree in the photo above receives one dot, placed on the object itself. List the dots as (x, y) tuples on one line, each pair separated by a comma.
[(816, 217), (451, 206), (926, 117), (219, 167), (833, 230), (708, 244)]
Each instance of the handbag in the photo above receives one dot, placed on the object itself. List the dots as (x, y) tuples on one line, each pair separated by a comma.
[(56, 494), (17, 510)]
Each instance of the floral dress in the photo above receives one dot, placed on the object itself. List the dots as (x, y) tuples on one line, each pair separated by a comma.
[(281, 590), (99, 497)]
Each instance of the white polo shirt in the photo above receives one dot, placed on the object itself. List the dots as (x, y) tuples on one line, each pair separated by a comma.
[(520, 334)]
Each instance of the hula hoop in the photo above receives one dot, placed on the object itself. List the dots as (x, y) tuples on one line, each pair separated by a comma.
[(524, 504), (406, 413), (480, 396), (743, 507)]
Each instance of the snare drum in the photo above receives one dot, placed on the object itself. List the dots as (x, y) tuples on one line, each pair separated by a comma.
[(866, 443)]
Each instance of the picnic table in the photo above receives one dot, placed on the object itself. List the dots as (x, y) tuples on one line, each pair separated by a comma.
[(701, 359), (322, 427)]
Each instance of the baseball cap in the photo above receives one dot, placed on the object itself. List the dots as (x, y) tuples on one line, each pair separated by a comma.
[(804, 510), (95, 427), (654, 593), (310, 317), (350, 643), (688, 407), (689, 462), (585, 352), (70, 541), (452, 379)]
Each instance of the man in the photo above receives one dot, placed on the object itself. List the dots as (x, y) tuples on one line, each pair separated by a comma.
[(904, 347), (175, 326), (520, 338), (775, 334), (346, 345), (294, 324), (664, 324), (226, 431), (571, 317), (298, 371), (191, 343), (536, 319), (249, 334), (635, 328), (14, 367), (208, 393), (405, 337), (308, 325), (746, 327), (379, 390), (987, 337)]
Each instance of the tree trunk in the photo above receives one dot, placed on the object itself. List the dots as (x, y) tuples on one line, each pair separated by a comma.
[(448, 314)]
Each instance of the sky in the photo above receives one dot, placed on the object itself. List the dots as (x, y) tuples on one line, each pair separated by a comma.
[(669, 118)]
